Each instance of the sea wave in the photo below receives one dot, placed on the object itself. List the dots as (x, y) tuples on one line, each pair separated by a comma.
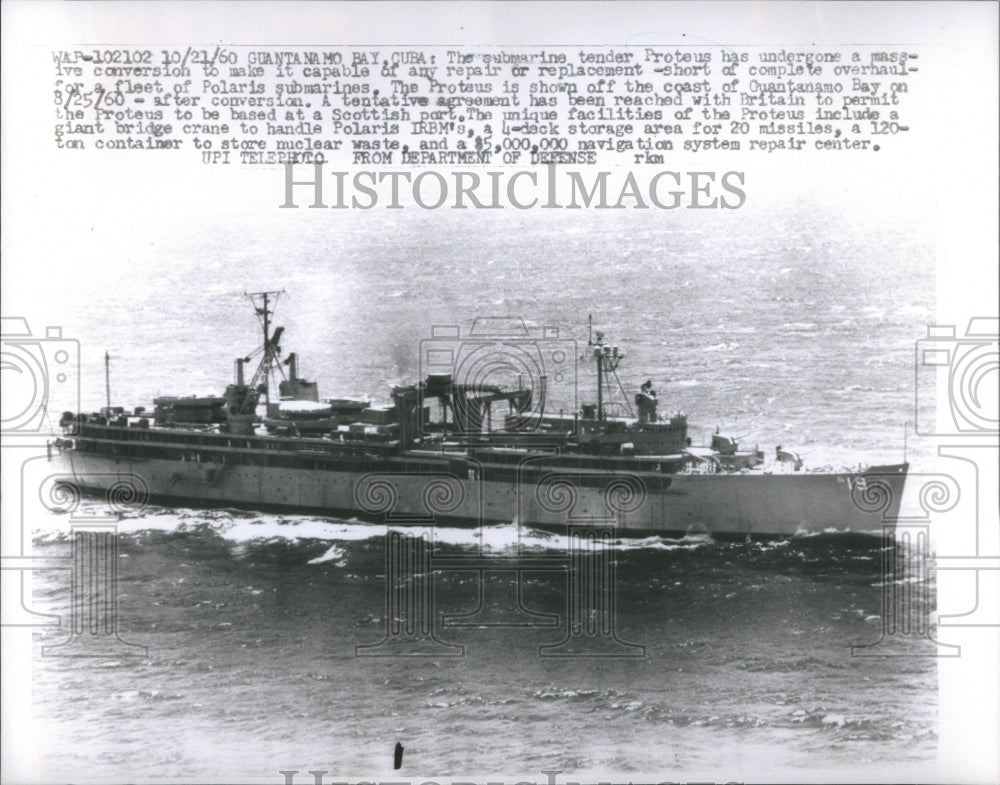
[(240, 528)]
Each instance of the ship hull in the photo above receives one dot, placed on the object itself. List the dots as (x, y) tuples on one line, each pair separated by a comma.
[(733, 505)]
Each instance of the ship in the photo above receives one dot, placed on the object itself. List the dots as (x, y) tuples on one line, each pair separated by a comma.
[(457, 447)]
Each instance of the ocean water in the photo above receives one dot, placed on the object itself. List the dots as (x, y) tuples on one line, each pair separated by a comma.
[(251, 623), (784, 325)]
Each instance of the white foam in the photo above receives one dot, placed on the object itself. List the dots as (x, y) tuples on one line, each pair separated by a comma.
[(334, 553)]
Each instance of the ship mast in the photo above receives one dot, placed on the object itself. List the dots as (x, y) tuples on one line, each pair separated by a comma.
[(607, 357), (263, 307), (107, 381)]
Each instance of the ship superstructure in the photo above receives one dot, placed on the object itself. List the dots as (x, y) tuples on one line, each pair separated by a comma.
[(463, 449)]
